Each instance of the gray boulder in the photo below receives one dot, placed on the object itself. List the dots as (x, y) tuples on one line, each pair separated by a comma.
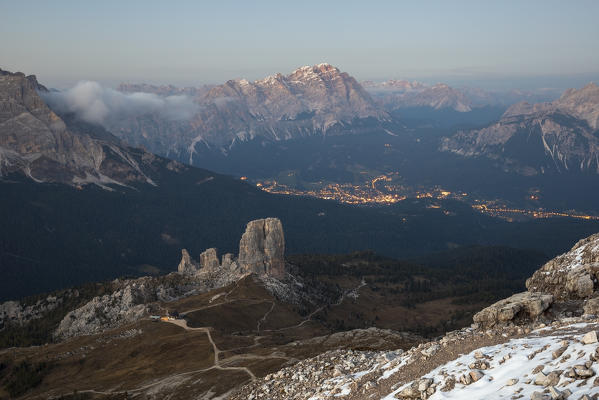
[(527, 305)]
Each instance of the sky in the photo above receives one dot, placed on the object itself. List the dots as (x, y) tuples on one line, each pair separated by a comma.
[(485, 43)]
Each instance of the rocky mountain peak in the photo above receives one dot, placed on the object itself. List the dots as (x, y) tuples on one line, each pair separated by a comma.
[(559, 135), (570, 276), (394, 85), (582, 103), (590, 89), (310, 101), (261, 252), (322, 69), (400, 94), (46, 147)]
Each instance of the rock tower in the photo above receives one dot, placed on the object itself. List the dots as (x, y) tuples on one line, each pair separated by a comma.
[(261, 251), (262, 248)]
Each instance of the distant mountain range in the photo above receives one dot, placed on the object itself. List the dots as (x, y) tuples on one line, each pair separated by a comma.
[(312, 100), (317, 100), (164, 90), (531, 139), (401, 94)]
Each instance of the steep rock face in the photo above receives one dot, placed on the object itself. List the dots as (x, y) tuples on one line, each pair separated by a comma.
[(532, 139), (262, 248), (209, 260), (187, 266), (566, 284), (571, 276), (46, 147), (312, 100)]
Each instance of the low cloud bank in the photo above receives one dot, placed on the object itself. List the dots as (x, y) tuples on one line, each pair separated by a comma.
[(99, 105)]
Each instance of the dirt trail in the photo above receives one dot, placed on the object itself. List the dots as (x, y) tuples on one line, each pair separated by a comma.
[(217, 362), (263, 319)]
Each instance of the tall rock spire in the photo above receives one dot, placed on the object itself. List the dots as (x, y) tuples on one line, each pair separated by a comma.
[(262, 248)]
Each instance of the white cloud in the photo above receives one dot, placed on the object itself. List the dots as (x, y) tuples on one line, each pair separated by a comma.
[(99, 105)]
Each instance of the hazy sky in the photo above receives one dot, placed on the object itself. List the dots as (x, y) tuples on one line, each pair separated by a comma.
[(193, 42)]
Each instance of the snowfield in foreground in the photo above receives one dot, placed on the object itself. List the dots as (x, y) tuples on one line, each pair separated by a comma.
[(518, 368), (552, 363)]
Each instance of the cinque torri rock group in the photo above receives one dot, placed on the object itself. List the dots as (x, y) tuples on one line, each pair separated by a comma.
[(261, 252)]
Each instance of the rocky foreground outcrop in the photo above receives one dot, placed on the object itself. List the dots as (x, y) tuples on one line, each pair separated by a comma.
[(568, 285), (541, 344), (571, 276), (548, 363), (261, 252)]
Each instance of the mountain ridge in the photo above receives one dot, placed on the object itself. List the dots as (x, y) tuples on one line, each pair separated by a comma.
[(311, 100), (534, 138), (47, 147)]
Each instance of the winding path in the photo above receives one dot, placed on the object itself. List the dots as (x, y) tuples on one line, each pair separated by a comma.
[(217, 365), (217, 362)]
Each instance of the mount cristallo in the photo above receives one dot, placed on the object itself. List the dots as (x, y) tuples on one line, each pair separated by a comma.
[(312, 100)]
